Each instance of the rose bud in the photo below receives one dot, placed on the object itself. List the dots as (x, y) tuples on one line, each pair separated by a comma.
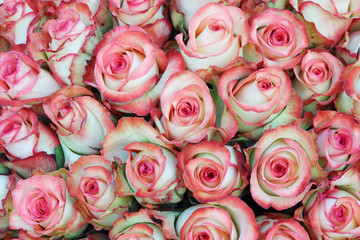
[(22, 81), (130, 71), (144, 224), (276, 225), (332, 212), (317, 79), (279, 36), (217, 34), (228, 218), (337, 139), (284, 167), (257, 100), (80, 120), (91, 182), (22, 135), (187, 109), (51, 211), (66, 42), (212, 171), (147, 14)]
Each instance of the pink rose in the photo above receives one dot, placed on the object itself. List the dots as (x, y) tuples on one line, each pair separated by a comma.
[(22, 135), (257, 100), (337, 139), (212, 171), (279, 36), (80, 120), (187, 109), (22, 81), (7, 185), (91, 182), (277, 225), (129, 70), (348, 47), (229, 218), (284, 167), (66, 42), (147, 14), (217, 34), (52, 210)]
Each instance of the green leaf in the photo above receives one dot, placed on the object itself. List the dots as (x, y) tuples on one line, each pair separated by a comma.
[(59, 155)]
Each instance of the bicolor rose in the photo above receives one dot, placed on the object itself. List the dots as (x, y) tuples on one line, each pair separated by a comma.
[(66, 42), (150, 15), (338, 136), (22, 135), (80, 120), (229, 218), (217, 34), (257, 100), (22, 80), (317, 78), (280, 37), (91, 182), (212, 171), (348, 47), (144, 224), (276, 225), (129, 70), (284, 167), (7, 185), (43, 207), (187, 109)]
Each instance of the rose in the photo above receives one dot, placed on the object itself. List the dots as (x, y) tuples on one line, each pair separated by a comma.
[(22, 81), (43, 207), (146, 14), (212, 171), (7, 184), (337, 138), (229, 218), (279, 36), (348, 47), (144, 224), (257, 100), (284, 167), (22, 135), (91, 182), (332, 212), (187, 109), (317, 77), (330, 19), (80, 120), (127, 68), (217, 34), (67, 42), (277, 225)]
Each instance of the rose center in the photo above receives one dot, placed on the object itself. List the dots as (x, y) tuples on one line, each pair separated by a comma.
[(216, 25), (41, 209), (145, 169), (63, 25), (185, 110), (91, 187), (279, 169), (264, 84), (10, 68), (339, 215), (118, 63), (342, 140), (202, 236), (279, 37)]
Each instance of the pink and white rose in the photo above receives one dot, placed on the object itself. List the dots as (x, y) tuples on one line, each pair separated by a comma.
[(7, 185), (348, 47)]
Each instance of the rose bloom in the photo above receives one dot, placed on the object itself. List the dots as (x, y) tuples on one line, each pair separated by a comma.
[(212, 171), (146, 14), (317, 78), (279, 36), (280, 226), (217, 34), (144, 224), (331, 19), (66, 42), (129, 70), (22, 81), (22, 135), (229, 218), (332, 212), (91, 182), (337, 139), (284, 167), (187, 109), (80, 120), (257, 100), (51, 211)]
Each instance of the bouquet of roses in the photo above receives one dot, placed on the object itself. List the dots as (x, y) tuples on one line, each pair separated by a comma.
[(176, 119)]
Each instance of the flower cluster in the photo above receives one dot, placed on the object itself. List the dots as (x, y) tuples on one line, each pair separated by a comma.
[(177, 119)]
